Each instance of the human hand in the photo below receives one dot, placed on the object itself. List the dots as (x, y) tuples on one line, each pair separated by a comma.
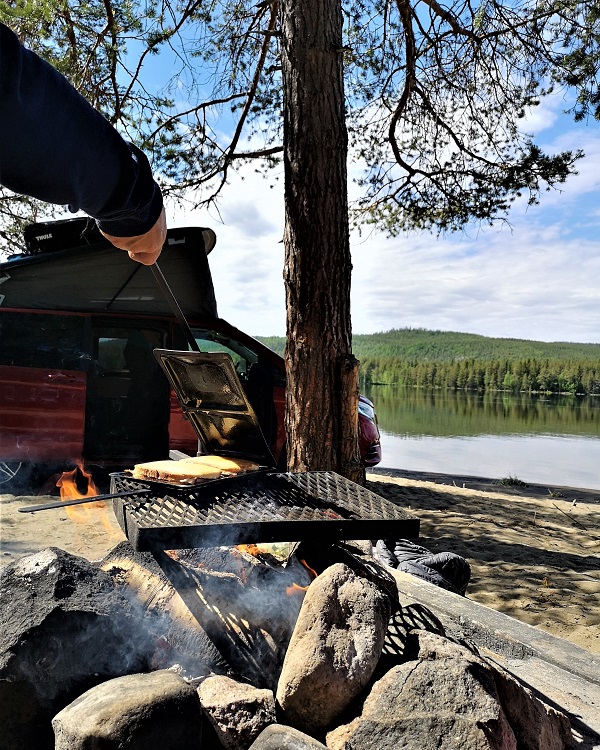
[(144, 248)]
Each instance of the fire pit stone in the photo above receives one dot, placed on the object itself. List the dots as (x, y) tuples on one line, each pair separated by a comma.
[(55, 599), (334, 649), (127, 711), (237, 712), (281, 737), (449, 692)]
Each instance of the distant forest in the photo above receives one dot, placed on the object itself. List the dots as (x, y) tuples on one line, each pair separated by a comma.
[(464, 361)]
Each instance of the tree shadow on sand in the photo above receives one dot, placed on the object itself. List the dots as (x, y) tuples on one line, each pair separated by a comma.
[(528, 558)]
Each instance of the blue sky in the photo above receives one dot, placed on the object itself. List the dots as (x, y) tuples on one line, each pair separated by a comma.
[(534, 278)]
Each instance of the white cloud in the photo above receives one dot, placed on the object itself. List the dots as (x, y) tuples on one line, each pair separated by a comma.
[(545, 115), (247, 262), (531, 283)]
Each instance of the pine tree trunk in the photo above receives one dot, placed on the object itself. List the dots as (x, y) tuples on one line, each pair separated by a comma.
[(322, 374)]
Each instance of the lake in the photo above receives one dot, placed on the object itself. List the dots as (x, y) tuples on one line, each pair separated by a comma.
[(550, 440)]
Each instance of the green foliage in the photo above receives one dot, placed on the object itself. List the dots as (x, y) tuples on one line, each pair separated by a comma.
[(435, 96), (276, 343), (578, 59), (511, 481), (421, 358), (439, 97)]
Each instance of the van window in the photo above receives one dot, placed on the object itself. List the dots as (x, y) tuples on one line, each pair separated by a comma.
[(51, 342), (117, 347), (212, 341), (111, 353), (127, 407)]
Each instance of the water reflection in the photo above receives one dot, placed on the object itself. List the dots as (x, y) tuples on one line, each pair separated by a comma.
[(546, 440), (416, 411)]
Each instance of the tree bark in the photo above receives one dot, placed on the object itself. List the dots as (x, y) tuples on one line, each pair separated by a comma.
[(322, 373)]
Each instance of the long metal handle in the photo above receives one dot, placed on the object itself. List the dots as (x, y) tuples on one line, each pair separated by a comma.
[(80, 501), (174, 305)]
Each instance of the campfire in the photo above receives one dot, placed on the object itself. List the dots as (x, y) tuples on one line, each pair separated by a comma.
[(77, 483), (203, 648)]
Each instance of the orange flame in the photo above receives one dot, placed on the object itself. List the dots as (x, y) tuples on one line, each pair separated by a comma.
[(69, 490), (313, 573), (295, 589), (251, 549), (67, 484)]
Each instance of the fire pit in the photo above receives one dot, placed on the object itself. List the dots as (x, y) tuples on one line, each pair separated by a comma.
[(261, 506)]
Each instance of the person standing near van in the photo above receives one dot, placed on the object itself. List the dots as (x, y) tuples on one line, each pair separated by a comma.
[(56, 147)]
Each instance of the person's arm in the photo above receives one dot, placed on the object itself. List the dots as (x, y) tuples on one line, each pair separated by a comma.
[(56, 147)]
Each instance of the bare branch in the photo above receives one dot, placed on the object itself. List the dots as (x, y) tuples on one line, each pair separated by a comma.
[(202, 106), (409, 81), (251, 94), (110, 20), (257, 154), (451, 20)]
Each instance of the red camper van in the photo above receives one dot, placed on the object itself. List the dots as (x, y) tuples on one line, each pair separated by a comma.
[(78, 381)]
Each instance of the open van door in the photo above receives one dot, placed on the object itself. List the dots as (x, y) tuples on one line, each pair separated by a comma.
[(127, 405)]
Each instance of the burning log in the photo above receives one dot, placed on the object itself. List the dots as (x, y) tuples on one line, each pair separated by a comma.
[(183, 639), (222, 610)]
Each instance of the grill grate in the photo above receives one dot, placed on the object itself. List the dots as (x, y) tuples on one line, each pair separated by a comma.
[(260, 507)]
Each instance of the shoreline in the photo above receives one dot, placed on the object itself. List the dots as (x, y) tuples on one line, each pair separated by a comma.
[(486, 484)]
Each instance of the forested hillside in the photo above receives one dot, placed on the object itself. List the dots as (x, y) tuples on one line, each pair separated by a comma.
[(445, 359)]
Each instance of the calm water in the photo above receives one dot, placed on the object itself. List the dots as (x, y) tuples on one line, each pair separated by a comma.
[(545, 440)]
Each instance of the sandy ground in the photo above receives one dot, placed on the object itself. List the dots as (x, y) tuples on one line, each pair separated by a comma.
[(534, 551)]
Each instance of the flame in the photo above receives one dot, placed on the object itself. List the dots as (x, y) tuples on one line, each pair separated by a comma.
[(295, 589), (313, 572), (251, 549), (67, 484), (69, 490)]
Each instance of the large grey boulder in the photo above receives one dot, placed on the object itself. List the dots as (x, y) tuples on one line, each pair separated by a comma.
[(446, 699), (334, 649), (63, 628), (134, 712), (237, 712)]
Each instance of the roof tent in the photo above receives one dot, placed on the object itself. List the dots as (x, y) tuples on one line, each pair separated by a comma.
[(99, 278)]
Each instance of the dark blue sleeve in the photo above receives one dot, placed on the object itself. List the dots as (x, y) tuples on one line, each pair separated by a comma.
[(56, 147)]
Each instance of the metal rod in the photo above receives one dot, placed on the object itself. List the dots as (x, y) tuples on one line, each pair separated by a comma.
[(123, 285), (80, 501), (174, 305)]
